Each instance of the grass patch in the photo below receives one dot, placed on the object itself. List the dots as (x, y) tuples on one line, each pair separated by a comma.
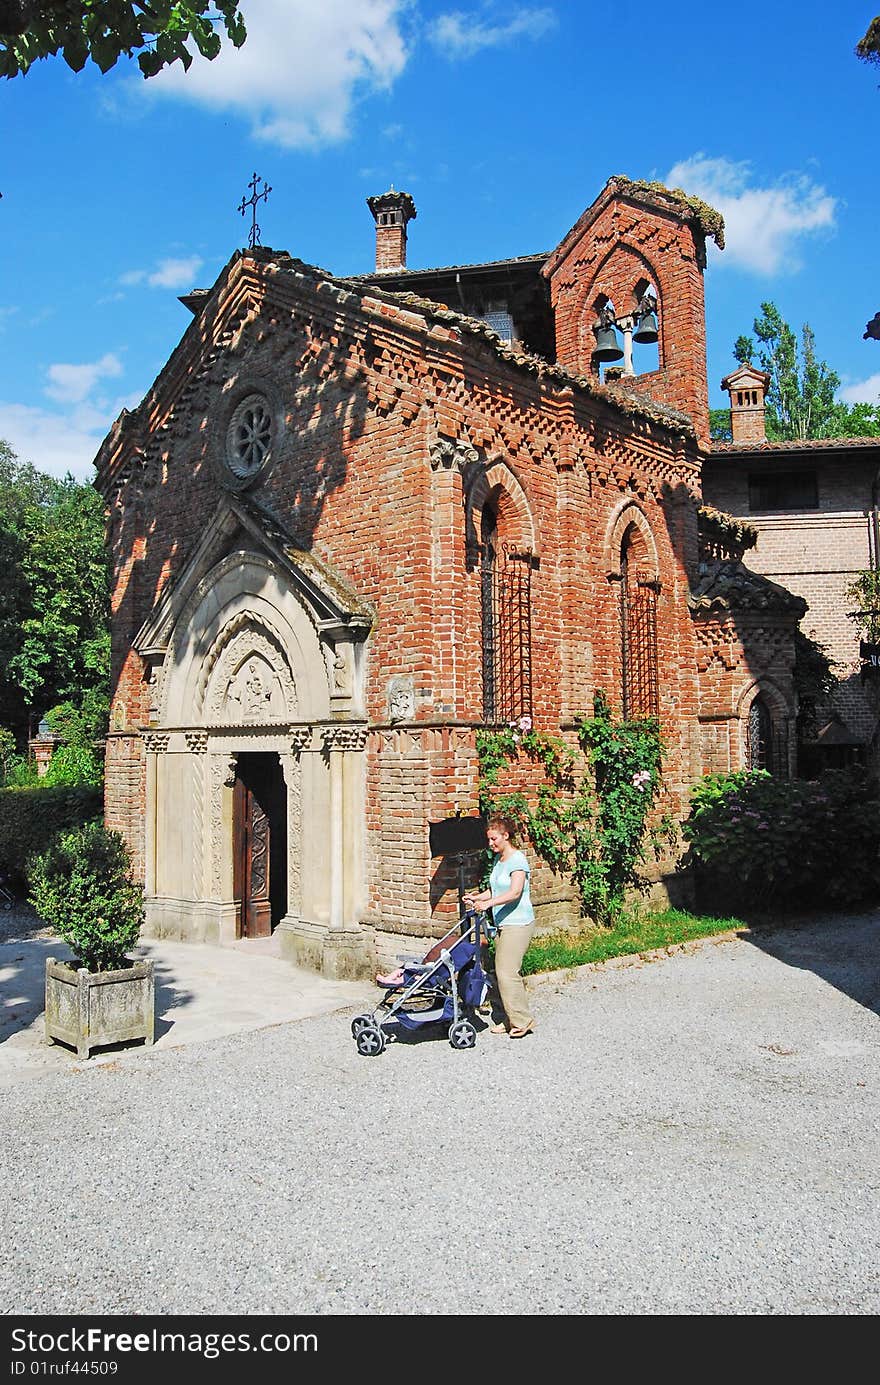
[(638, 932)]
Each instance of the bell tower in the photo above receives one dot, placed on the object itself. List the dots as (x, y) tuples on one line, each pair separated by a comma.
[(642, 248)]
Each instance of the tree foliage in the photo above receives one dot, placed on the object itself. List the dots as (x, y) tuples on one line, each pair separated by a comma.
[(868, 47), (864, 593), (158, 32), (801, 399), (54, 596)]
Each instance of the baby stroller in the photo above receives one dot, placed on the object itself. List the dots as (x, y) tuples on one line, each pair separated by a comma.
[(445, 991)]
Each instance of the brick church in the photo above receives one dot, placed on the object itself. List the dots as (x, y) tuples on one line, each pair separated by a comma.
[(355, 520)]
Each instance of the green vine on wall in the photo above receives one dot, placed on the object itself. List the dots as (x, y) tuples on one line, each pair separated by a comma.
[(591, 824)]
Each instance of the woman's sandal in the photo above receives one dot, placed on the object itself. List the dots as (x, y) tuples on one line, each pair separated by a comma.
[(521, 1033), (498, 1028)]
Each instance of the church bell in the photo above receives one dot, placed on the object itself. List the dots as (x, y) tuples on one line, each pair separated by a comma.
[(607, 347), (646, 331)]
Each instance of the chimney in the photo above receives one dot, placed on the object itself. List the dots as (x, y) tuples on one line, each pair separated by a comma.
[(391, 212), (747, 388)]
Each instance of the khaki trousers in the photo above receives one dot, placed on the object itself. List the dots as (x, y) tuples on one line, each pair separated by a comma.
[(510, 948)]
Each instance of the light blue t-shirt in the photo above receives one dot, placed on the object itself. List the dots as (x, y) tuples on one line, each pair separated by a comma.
[(520, 910)]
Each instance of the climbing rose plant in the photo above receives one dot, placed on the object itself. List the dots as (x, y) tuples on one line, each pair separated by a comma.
[(589, 824)]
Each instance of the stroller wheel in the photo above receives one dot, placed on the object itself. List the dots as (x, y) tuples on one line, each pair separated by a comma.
[(361, 1022), (370, 1041), (462, 1034)]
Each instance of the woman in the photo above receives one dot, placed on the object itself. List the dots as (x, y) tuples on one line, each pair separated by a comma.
[(508, 898)]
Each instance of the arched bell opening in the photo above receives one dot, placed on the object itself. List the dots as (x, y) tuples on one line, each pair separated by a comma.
[(646, 327)]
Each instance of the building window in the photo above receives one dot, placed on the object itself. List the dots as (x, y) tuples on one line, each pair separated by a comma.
[(638, 619), (499, 319), (759, 737), (507, 626), (249, 437), (783, 490)]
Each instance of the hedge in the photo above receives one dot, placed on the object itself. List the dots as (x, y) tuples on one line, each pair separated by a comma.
[(32, 818), (760, 842)]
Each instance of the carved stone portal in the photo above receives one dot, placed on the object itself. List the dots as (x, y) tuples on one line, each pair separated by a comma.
[(250, 682)]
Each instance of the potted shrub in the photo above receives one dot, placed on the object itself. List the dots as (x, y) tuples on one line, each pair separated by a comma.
[(81, 887)]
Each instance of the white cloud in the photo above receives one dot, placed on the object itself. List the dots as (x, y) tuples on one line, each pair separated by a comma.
[(863, 392), (763, 225), (301, 68), (168, 274), (70, 384), (55, 442), (460, 35)]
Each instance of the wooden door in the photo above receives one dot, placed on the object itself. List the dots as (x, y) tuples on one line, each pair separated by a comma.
[(259, 833)]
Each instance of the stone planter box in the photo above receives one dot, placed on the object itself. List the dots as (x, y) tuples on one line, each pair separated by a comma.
[(89, 1009)]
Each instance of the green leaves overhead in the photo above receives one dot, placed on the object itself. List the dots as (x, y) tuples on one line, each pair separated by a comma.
[(158, 33)]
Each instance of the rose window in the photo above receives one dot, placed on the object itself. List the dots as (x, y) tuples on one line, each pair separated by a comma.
[(250, 436)]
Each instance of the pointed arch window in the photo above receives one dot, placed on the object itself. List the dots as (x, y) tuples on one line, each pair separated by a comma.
[(760, 748), (506, 611), (638, 623)]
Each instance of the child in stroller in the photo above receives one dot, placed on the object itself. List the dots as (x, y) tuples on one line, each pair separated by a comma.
[(447, 986)]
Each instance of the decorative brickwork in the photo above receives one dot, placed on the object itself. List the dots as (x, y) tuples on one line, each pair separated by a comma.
[(325, 604)]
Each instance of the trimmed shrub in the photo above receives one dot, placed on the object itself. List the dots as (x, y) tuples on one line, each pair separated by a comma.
[(761, 841), (81, 887), (31, 819)]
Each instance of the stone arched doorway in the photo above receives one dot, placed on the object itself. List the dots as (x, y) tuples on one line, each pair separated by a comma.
[(257, 675)]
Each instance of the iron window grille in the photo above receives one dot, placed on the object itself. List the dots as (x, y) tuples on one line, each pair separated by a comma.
[(507, 631), (763, 746), (641, 691)]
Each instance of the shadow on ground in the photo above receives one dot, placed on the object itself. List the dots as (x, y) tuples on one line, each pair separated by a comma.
[(842, 949), (23, 982)]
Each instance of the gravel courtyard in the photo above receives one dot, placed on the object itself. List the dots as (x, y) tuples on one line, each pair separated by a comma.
[(695, 1133)]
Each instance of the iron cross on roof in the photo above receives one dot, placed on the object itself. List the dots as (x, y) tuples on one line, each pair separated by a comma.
[(255, 197)]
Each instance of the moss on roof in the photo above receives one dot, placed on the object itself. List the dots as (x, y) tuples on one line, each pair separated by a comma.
[(710, 221)]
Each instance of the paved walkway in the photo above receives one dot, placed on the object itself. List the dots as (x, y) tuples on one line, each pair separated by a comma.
[(202, 993)]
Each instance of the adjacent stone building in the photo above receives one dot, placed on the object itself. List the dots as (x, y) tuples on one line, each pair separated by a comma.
[(355, 520), (813, 507)]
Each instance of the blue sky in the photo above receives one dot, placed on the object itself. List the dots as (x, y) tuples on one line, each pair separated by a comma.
[(503, 120)]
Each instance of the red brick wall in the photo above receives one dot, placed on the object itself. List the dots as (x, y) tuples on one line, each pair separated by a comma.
[(390, 420), (624, 243)]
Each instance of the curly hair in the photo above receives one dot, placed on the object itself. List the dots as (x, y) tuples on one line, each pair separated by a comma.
[(505, 825)]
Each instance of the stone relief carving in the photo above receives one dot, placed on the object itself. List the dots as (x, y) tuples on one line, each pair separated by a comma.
[(446, 453), (401, 698), (300, 739), (251, 691), (155, 742), (343, 737), (293, 780), (222, 773), (250, 681), (196, 742)]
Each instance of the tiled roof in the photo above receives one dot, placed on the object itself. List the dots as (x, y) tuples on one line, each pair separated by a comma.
[(731, 586), (406, 270), (766, 448)]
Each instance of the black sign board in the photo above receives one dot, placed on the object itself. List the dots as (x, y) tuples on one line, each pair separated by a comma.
[(870, 654), (457, 836)]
